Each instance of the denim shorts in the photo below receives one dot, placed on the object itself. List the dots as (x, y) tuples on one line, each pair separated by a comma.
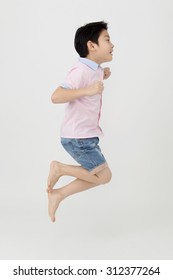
[(85, 151)]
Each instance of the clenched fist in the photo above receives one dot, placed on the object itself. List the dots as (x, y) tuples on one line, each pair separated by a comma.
[(95, 88), (107, 73)]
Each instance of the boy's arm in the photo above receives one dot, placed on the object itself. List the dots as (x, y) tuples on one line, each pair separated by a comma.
[(63, 95)]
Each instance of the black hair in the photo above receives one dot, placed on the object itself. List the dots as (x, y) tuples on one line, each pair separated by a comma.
[(88, 32)]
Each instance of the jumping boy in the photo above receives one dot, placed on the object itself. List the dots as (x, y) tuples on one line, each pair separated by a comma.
[(80, 130)]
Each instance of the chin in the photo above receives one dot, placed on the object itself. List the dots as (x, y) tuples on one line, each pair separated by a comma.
[(110, 59)]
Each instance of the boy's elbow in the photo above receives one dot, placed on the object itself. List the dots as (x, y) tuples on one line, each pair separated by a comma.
[(53, 99)]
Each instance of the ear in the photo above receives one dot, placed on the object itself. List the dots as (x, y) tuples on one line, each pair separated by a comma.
[(91, 46)]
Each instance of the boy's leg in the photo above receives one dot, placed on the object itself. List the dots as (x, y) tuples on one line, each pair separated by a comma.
[(100, 175), (57, 195)]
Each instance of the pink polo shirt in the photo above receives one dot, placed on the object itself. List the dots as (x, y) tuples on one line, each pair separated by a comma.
[(82, 115)]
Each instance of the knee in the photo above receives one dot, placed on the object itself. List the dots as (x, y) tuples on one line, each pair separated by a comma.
[(107, 178)]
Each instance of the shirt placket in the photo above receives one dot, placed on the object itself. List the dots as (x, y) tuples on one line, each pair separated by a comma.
[(99, 115)]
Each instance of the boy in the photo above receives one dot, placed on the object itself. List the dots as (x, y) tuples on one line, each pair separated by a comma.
[(80, 129)]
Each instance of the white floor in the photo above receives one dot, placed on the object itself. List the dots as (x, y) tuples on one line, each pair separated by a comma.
[(85, 229)]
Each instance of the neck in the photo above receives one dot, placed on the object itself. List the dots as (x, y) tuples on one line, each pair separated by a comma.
[(89, 56)]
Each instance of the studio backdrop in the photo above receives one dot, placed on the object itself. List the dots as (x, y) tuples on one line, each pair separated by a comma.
[(131, 217)]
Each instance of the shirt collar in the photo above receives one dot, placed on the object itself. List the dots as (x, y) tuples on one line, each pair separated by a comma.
[(92, 64)]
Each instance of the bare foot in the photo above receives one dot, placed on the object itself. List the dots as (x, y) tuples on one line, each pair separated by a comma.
[(54, 199), (54, 175)]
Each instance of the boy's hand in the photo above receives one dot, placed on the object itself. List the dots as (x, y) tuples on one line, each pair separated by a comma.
[(95, 88), (107, 73)]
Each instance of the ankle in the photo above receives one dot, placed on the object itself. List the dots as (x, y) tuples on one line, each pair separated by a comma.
[(60, 194)]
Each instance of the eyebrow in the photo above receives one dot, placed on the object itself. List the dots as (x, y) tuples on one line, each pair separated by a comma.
[(107, 36)]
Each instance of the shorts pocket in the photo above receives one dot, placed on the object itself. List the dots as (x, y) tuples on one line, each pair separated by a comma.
[(87, 143)]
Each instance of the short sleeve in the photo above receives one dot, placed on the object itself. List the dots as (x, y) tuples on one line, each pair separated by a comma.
[(75, 78)]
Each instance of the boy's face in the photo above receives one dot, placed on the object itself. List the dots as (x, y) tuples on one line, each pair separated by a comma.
[(103, 52)]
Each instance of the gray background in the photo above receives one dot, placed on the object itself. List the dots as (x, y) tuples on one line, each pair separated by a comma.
[(131, 218)]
